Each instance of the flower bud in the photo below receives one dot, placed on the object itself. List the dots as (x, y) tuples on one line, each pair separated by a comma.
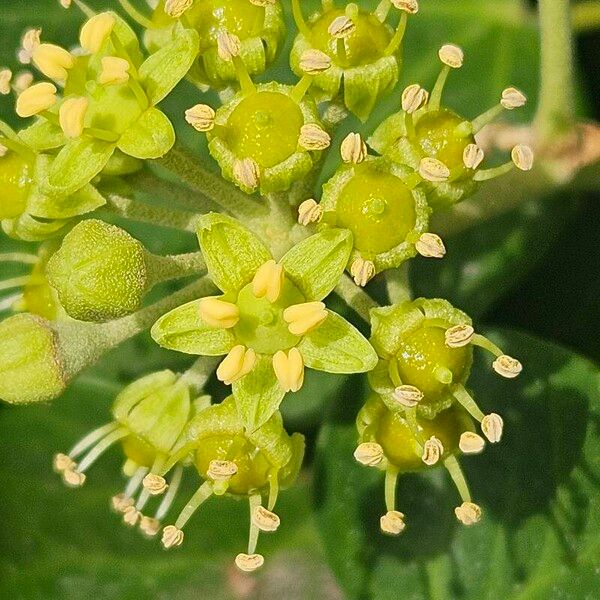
[(99, 272), (31, 368)]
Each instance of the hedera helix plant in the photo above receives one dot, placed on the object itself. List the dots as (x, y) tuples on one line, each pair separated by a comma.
[(269, 254)]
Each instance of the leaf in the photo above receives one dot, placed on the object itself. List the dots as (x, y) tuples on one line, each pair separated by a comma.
[(151, 136), (316, 264), (183, 330), (337, 347), (164, 69), (538, 489), (43, 135)]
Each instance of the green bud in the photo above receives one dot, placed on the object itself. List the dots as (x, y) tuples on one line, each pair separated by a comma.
[(99, 272), (31, 367)]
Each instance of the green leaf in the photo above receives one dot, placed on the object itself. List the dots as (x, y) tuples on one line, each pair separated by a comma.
[(164, 69), (232, 253), (183, 330), (538, 489), (78, 162), (151, 136), (258, 394), (316, 264), (43, 135), (337, 347)]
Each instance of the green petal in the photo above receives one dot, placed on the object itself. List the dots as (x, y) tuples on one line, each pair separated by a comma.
[(128, 38), (77, 164), (43, 135), (316, 264), (151, 136), (258, 394), (337, 347), (232, 252), (164, 69), (183, 330)]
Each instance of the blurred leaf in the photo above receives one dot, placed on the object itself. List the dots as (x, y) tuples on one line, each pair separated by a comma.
[(538, 488)]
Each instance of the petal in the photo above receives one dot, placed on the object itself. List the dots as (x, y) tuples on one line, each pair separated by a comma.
[(337, 347), (232, 253), (316, 264), (258, 394), (151, 136), (183, 330)]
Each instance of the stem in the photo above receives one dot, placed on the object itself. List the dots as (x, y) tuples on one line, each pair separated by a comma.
[(355, 297), (19, 257), (174, 266), (586, 16), (398, 286), (199, 373), (191, 171), (147, 213), (555, 112)]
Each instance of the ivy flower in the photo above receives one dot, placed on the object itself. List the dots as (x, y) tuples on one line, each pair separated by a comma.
[(270, 321)]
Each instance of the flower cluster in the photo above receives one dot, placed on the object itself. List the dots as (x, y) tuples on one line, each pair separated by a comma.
[(261, 279)]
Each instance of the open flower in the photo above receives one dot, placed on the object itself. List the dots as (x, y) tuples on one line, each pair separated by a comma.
[(270, 321)]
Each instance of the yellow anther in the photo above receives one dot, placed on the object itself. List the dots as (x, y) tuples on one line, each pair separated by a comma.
[(218, 313), (522, 156), (473, 156), (201, 117), (414, 97), (468, 513), (459, 336), (392, 523), (409, 6), (121, 503), (408, 395), (451, 55), (314, 61), (221, 470), (512, 98), (492, 426), (247, 172), (62, 462), (228, 45), (96, 31), (430, 245), (313, 137), (341, 27), (115, 71), (71, 116), (309, 212), (471, 443), (131, 516), (302, 318), (155, 484), (268, 281), (265, 520), (73, 478), (5, 79), (507, 366), (149, 526), (369, 454), (37, 98), (432, 169), (172, 537), (175, 8), (249, 562), (29, 42), (353, 149), (239, 362), (53, 61), (432, 451), (362, 271), (289, 369)]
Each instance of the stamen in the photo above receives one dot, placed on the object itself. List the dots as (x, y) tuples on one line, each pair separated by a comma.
[(471, 443), (91, 438), (201, 117), (309, 212), (453, 467), (176, 8), (522, 157), (432, 451), (131, 516), (239, 362), (289, 369), (362, 271), (273, 488), (408, 395), (430, 245), (172, 537), (221, 470), (96, 31), (313, 61), (507, 366), (14, 282), (432, 169), (382, 10), (62, 463), (305, 317), (228, 48), (409, 6), (391, 477), (101, 447), (249, 562), (268, 281), (66, 3), (37, 98), (468, 513), (313, 138), (265, 520), (115, 71), (5, 79), (353, 149), (392, 523), (253, 502), (341, 27), (247, 173), (263, 3), (218, 313), (53, 61), (513, 98), (369, 454), (135, 481), (492, 426), (203, 493), (121, 502), (473, 156), (71, 116), (459, 336), (29, 42), (167, 501), (467, 401), (23, 80), (414, 97), (452, 58), (73, 478), (155, 484), (451, 55), (136, 15), (149, 526), (299, 19)]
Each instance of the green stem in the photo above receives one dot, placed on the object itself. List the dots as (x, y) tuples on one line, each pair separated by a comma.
[(398, 286), (175, 266), (586, 16), (555, 113), (200, 372), (355, 297), (147, 213), (192, 172)]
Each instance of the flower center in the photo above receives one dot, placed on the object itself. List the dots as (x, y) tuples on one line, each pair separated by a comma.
[(261, 325), (15, 181), (265, 126)]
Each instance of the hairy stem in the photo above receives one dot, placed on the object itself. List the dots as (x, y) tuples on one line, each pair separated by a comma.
[(355, 297), (175, 266), (199, 373), (398, 286)]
